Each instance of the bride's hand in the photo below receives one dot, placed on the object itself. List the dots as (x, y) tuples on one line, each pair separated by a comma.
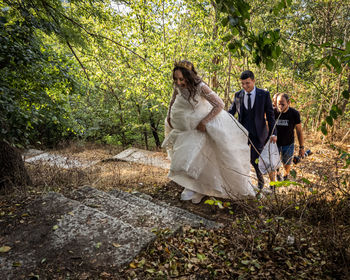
[(201, 127)]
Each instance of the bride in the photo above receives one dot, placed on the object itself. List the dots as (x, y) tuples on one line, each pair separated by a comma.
[(208, 148)]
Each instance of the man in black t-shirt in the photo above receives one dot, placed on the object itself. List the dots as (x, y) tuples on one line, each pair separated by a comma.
[(287, 118)]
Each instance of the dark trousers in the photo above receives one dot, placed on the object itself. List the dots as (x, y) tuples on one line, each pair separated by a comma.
[(254, 155)]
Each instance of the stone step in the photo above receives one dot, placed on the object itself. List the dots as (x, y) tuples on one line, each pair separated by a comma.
[(59, 161), (183, 215), (69, 234), (31, 153), (143, 157), (139, 211)]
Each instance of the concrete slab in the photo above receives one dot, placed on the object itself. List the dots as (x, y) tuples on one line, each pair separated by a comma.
[(31, 152), (69, 234), (59, 161), (143, 157), (140, 212), (180, 215)]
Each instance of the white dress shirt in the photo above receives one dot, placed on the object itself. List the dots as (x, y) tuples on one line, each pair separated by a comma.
[(252, 98)]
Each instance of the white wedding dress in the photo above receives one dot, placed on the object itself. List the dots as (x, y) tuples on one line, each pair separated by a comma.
[(213, 163)]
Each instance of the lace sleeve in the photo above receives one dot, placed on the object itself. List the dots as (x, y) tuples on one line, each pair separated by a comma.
[(214, 100)]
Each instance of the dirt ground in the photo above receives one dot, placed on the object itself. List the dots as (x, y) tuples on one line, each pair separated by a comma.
[(199, 254)]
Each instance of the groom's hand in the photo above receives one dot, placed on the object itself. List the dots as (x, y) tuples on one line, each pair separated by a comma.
[(273, 138)]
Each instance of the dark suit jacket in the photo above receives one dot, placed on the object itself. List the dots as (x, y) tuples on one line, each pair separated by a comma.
[(263, 108)]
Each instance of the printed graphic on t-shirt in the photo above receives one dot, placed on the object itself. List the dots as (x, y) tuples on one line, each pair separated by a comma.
[(283, 122)]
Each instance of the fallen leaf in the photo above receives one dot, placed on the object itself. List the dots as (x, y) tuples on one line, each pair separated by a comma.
[(220, 205), (141, 263), (116, 245), (55, 227), (5, 249), (209, 201), (33, 276), (194, 260), (132, 265), (200, 257), (227, 204)]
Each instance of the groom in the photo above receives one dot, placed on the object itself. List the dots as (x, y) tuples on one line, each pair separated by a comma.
[(252, 105)]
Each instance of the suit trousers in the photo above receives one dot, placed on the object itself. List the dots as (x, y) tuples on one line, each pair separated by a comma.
[(254, 155)]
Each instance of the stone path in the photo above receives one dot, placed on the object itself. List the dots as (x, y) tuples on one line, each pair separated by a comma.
[(91, 228), (129, 155), (133, 155), (143, 157), (59, 161), (31, 153)]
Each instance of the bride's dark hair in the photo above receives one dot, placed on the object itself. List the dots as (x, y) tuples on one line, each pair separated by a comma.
[(190, 75)]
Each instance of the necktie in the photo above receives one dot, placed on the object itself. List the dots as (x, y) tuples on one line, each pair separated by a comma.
[(249, 102)]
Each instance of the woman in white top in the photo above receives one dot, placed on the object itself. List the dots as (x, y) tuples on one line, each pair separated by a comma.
[(207, 146)]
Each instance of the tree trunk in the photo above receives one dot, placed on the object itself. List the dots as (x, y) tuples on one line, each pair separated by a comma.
[(12, 170), (306, 122), (346, 101), (227, 100), (154, 129), (143, 129), (215, 59), (121, 119)]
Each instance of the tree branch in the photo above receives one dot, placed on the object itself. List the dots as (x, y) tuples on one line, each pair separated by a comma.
[(77, 58), (317, 45), (102, 37)]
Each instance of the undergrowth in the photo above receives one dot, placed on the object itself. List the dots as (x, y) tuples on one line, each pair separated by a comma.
[(302, 231)]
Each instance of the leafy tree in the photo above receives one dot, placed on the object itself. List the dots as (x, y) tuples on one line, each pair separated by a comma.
[(102, 72), (34, 86), (306, 38)]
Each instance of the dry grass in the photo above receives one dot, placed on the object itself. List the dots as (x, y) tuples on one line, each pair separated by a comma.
[(302, 232), (105, 175)]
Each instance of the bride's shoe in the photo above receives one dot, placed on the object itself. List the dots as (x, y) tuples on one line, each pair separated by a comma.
[(197, 198), (191, 195), (187, 194)]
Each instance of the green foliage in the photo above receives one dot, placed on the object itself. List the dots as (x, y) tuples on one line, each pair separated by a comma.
[(262, 45), (302, 48), (343, 155), (33, 86), (287, 183), (98, 71)]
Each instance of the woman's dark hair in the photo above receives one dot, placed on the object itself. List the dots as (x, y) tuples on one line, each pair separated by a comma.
[(190, 75), (247, 74)]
